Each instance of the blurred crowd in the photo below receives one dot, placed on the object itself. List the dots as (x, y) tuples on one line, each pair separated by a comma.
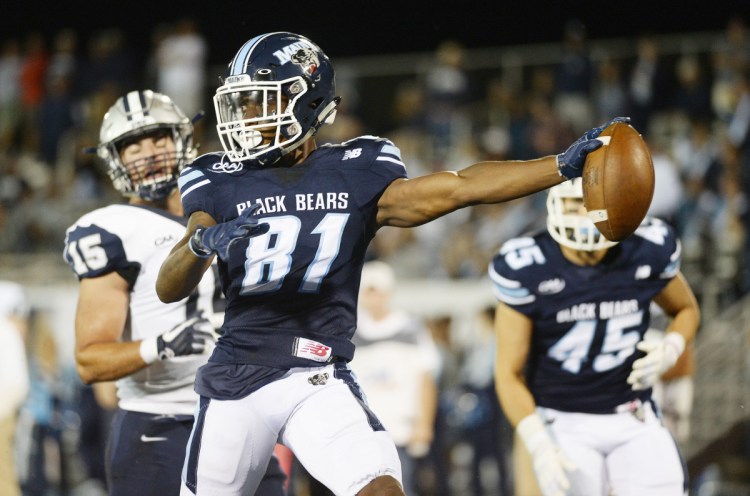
[(693, 109), (53, 95)]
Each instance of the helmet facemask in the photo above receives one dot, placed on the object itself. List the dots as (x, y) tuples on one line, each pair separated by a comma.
[(567, 221), (150, 178), (131, 118), (257, 118)]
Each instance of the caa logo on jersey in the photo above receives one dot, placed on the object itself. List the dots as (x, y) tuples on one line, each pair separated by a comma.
[(228, 168), (164, 240), (551, 286)]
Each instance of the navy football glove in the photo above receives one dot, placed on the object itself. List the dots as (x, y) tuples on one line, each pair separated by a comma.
[(191, 337), (217, 239), (570, 162)]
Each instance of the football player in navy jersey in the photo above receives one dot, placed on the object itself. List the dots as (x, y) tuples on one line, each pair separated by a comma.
[(290, 223), (573, 372), (123, 332)]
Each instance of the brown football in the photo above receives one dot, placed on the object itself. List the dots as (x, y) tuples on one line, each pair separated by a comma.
[(618, 182)]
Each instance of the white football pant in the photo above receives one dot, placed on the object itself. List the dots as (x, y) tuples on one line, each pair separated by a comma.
[(618, 454), (323, 422)]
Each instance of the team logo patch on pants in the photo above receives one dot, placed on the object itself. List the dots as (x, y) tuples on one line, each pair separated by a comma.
[(318, 379)]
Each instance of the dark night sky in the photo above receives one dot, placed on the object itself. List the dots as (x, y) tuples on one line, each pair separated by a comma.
[(362, 27)]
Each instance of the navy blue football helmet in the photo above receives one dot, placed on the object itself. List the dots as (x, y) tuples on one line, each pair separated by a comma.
[(278, 91)]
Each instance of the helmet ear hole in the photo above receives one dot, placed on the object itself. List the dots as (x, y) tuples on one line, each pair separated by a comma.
[(315, 103)]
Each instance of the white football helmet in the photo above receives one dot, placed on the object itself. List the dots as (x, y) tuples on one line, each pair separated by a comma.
[(136, 114), (565, 222)]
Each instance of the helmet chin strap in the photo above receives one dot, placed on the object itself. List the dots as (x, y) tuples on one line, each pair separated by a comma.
[(328, 114)]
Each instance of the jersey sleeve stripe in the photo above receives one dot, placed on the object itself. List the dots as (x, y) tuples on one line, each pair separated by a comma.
[(389, 159), (187, 176), (194, 187), (391, 150), (510, 299), (509, 291), (674, 263), (190, 180)]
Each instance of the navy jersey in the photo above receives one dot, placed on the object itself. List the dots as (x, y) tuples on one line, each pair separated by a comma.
[(587, 319), (292, 292)]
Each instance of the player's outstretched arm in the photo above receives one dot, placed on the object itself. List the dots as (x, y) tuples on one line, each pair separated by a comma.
[(183, 270), (411, 202)]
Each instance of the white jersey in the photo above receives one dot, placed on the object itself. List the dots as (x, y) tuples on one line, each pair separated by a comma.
[(134, 241)]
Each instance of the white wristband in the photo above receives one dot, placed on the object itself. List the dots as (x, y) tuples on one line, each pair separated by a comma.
[(149, 350), (532, 432), (194, 251)]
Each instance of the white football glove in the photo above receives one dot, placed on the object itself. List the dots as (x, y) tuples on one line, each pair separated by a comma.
[(660, 357), (551, 466)]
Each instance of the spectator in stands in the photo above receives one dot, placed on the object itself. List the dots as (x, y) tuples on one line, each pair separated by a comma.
[(692, 93), (730, 59), (739, 169), (14, 377), (574, 75), (609, 92), (648, 83), (447, 92), (33, 71), (181, 65), (10, 93), (404, 397)]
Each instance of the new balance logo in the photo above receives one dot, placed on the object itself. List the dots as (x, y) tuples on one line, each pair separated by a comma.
[(316, 349), (354, 153), (312, 350)]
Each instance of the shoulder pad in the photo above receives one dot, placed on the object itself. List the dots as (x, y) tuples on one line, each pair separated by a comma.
[(93, 251), (660, 244)]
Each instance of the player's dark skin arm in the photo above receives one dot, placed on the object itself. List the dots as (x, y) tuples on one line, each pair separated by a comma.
[(412, 202), (404, 203), (182, 270)]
